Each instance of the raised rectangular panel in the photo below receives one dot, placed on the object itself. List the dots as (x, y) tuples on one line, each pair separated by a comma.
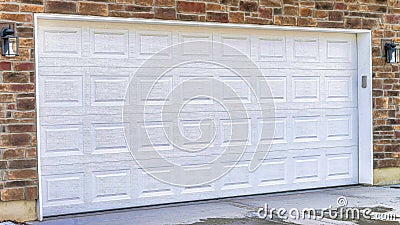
[(238, 177), (152, 135), (339, 165), (108, 91), (339, 127), (235, 45), (272, 49), (198, 87), (111, 185), (66, 42), (277, 86), (109, 43), (63, 189), (236, 132), (108, 138), (338, 88), (272, 172), (197, 132), (150, 187), (150, 43), (338, 51), (154, 92), (306, 168), (306, 50), (306, 128), (305, 89), (62, 140), (194, 48), (61, 91), (279, 126), (235, 89)]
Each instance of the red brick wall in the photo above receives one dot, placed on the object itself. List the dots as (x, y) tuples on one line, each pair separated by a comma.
[(17, 107)]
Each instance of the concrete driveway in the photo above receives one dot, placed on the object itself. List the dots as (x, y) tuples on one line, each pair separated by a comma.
[(383, 203)]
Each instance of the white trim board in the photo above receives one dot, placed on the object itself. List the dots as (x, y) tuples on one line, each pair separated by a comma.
[(192, 23), (364, 69)]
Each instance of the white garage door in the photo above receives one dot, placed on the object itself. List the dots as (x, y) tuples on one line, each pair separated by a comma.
[(83, 73)]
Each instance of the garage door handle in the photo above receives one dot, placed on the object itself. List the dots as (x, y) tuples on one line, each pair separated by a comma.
[(364, 81)]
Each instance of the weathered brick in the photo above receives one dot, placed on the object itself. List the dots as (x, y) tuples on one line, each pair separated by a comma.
[(5, 65), (18, 17), (143, 15), (306, 22), (191, 7), (22, 164), (17, 87), (7, 7), (306, 12), (31, 193), (3, 164), (265, 13), (236, 17), (271, 3), (335, 16), (226, 2), (24, 66), (26, 104), (248, 6), (116, 7), (320, 14), (20, 128), (12, 194), (144, 2), (217, 17), (16, 140), (15, 77), (285, 20), (92, 8), (389, 18), (352, 23), (61, 7), (18, 183), (165, 13), (32, 8), (13, 153), (38, 2), (324, 5), (165, 3), (22, 174), (330, 24), (215, 7), (136, 8), (340, 6), (369, 23), (30, 153), (291, 10), (253, 20), (381, 103), (4, 98)]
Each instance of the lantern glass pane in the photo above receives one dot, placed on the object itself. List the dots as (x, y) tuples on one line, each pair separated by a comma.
[(12, 49)]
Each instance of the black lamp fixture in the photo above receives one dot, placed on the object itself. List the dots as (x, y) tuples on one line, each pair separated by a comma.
[(391, 53), (9, 42)]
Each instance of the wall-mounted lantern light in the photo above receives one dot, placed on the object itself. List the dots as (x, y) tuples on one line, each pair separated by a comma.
[(9, 42), (391, 53)]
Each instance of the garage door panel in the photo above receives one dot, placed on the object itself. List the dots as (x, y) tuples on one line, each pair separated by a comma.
[(86, 164)]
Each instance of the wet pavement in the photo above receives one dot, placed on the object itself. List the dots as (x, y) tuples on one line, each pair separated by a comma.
[(373, 205)]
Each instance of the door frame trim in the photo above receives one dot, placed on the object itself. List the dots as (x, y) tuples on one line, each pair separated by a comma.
[(364, 61)]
